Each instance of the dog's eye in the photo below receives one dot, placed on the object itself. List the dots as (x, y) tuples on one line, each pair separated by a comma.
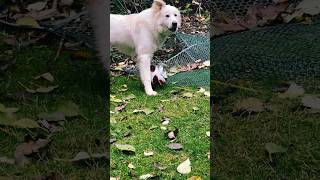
[(175, 14), (167, 15)]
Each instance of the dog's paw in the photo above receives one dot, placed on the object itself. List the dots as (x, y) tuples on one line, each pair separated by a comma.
[(151, 93)]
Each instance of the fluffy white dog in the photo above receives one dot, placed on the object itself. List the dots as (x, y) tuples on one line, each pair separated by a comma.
[(144, 33)]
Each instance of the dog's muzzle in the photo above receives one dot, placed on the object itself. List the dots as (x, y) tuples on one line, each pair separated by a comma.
[(174, 27)]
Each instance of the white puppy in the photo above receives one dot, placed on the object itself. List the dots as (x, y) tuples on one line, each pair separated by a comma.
[(143, 33)]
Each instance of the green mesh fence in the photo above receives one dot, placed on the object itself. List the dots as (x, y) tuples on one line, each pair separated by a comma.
[(195, 47), (283, 51)]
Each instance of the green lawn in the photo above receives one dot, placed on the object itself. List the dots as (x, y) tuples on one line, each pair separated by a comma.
[(79, 81), (240, 138), (192, 127)]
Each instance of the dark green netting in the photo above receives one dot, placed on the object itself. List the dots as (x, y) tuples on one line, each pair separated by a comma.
[(288, 51), (283, 51), (200, 77)]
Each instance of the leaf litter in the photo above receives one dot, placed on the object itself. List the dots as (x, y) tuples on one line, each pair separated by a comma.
[(26, 149), (250, 105), (184, 167), (312, 103), (273, 148)]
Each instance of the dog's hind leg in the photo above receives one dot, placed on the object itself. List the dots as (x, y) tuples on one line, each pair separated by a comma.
[(144, 61)]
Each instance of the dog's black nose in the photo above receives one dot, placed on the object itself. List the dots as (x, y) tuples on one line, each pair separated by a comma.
[(174, 25)]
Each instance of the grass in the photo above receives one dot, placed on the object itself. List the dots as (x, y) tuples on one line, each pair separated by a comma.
[(192, 128), (79, 81), (240, 139), (82, 82)]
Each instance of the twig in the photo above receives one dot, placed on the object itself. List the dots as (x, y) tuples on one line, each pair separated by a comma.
[(236, 86), (60, 47), (19, 26)]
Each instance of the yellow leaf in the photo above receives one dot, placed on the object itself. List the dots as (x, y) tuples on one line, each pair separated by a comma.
[(28, 21)]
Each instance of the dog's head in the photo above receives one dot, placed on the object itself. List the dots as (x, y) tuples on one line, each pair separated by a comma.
[(169, 16)]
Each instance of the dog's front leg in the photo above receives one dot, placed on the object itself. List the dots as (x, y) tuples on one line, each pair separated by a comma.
[(144, 61)]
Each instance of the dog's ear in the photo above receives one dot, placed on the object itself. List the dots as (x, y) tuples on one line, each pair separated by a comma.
[(158, 4)]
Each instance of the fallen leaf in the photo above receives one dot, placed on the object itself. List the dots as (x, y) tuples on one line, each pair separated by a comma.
[(274, 148), (148, 153), (187, 95), (48, 76), (195, 108), (175, 146), (37, 6), (171, 135), (289, 17), (28, 21), (250, 105), (54, 116), (26, 123), (4, 109), (184, 167), (310, 7), (129, 97), (146, 111), (201, 90), (163, 128), (159, 166), (131, 166), (6, 160), (83, 156), (195, 178), (69, 108), (161, 108), (124, 88), (113, 120), (229, 25), (206, 63), (153, 127), (271, 12), (6, 119), (173, 71), (11, 110), (166, 122), (125, 147), (293, 91), (24, 150), (207, 93), (311, 102), (147, 176), (42, 89), (49, 126), (114, 99)]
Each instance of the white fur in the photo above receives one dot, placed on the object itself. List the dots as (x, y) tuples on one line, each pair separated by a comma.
[(142, 34)]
